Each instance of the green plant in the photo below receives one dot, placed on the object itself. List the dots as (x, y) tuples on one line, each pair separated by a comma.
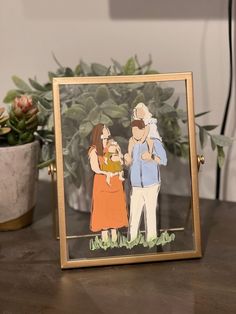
[(84, 107), (22, 121)]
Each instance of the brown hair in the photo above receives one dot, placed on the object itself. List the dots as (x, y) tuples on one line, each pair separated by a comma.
[(138, 123), (96, 140)]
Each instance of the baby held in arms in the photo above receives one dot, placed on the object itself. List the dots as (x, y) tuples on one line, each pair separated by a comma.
[(113, 161), (141, 112)]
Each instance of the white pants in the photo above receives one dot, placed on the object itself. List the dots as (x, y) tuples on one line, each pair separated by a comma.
[(143, 199)]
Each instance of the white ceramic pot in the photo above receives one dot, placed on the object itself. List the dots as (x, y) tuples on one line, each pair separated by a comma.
[(18, 185)]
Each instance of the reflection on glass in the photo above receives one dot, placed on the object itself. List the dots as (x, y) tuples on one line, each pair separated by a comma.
[(120, 143)]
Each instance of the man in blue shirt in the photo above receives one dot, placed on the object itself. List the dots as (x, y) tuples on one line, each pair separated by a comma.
[(145, 181)]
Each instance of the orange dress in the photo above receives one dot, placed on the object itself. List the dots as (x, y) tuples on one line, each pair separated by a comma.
[(108, 203)]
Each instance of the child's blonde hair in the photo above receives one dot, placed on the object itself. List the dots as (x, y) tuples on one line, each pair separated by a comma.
[(148, 114)]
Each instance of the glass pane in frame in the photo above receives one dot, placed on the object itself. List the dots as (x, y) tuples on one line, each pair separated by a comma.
[(123, 144)]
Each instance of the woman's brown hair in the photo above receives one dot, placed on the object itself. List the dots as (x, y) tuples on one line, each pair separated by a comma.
[(96, 140)]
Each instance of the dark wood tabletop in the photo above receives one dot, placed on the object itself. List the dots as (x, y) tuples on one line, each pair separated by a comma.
[(32, 282)]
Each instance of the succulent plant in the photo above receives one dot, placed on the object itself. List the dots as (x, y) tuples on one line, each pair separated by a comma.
[(23, 121), (4, 129)]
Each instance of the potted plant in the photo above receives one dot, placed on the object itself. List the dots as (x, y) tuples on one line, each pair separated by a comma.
[(81, 111), (19, 155)]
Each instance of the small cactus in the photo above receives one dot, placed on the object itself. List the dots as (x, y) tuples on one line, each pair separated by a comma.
[(23, 121), (3, 121)]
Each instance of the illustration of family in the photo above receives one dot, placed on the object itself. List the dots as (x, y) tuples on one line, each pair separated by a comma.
[(145, 155)]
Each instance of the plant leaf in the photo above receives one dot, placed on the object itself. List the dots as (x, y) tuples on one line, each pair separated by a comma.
[(221, 140), (99, 69), (202, 136), (85, 128), (37, 86), (11, 95), (129, 67), (209, 127), (102, 94), (220, 156), (21, 84), (176, 104), (56, 60), (201, 114), (166, 93), (117, 65), (85, 68), (94, 115), (75, 113), (166, 108), (90, 103), (104, 119), (213, 145), (78, 70)]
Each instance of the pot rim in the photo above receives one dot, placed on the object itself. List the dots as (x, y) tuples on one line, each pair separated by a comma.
[(22, 146)]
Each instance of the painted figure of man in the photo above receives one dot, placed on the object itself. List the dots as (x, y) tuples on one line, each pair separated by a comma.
[(145, 181)]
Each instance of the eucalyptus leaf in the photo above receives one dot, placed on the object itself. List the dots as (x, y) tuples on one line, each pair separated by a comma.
[(46, 104), (203, 137), (113, 111), (213, 145), (166, 108), (56, 60), (167, 93), (74, 148), (149, 90), (221, 140), (99, 69), (220, 156), (176, 104), (21, 84), (68, 72), (102, 94), (139, 98), (201, 114), (85, 68), (90, 103), (75, 113), (134, 86), (182, 115), (117, 65), (50, 122), (104, 119), (209, 127), (45, 152), (78, 70), (51, 75), (94, 115), (158, 93), (85, 129), (37, 86), (48, 96)]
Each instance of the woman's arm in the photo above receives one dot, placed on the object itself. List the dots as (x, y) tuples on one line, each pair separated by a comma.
[(93, 158)]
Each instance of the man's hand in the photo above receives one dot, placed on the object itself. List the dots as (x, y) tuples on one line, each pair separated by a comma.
[(157, 159)]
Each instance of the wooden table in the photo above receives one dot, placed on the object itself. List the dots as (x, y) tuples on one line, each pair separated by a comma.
[(31, 281)]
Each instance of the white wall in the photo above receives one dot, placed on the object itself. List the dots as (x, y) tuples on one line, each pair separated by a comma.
[(181, 35)]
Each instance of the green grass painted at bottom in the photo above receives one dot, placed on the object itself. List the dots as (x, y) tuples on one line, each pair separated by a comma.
[(123, 242)]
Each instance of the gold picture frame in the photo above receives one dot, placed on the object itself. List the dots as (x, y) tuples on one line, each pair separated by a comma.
[(71, 255)]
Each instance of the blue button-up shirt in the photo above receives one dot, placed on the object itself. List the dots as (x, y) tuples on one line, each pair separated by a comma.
[(144, 173)]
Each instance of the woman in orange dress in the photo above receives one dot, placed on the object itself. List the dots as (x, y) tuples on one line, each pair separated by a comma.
[(109, 210)]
